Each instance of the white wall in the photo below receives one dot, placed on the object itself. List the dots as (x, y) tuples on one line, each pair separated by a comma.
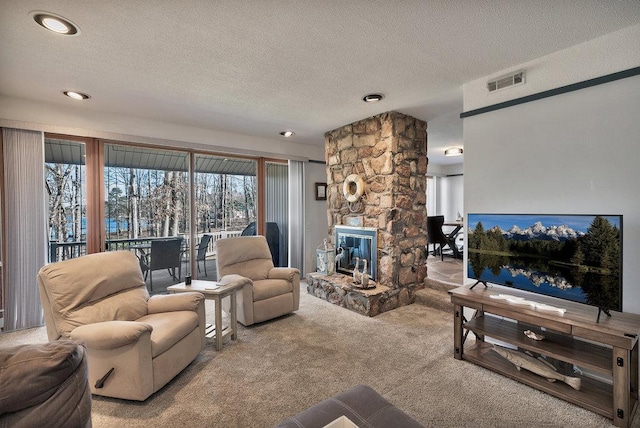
[(574, 153), (605, 55), (316, 222), (449, 189), (37, 116)]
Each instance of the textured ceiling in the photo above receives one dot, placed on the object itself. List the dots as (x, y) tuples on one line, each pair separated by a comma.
[(260, 67)]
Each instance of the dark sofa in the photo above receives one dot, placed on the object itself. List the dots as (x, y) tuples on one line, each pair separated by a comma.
[(361, 404), (44, 385)]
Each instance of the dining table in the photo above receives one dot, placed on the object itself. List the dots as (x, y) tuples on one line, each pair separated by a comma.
[(143, 248)]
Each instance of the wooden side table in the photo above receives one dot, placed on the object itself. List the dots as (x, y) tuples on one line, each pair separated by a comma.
[(217, 292)]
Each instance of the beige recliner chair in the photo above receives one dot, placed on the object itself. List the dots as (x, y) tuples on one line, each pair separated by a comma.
[(273, 291), (135, 343)]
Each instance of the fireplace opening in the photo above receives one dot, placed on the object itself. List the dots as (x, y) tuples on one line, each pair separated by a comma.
[(356, 243)]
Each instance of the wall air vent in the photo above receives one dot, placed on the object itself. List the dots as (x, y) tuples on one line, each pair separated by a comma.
[(506, 81)]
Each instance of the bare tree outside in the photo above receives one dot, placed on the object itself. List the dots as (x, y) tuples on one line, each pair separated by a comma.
[(66, 204)]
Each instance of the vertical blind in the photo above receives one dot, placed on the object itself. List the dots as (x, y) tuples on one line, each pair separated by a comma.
[(277, 203), (296, 214), (26, 226)]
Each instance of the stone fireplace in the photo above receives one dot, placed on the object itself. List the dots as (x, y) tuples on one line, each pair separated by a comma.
[(388, 153)]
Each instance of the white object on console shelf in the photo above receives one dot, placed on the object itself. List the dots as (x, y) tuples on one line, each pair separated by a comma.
[(522, 301)]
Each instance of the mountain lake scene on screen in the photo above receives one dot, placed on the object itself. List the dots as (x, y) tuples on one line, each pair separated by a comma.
[(573, 257)]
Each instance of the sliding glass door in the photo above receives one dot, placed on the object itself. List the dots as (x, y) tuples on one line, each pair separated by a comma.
[(91, 195), (106, 196), (225, 203), (66, 190), (147, 209)]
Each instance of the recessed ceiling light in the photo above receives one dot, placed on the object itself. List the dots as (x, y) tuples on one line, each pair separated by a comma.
[(287, 134), (453, 151), (76, 95), (55, 23), (372, 98)]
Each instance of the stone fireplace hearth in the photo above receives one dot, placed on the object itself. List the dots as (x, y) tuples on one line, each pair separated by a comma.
[(339, 290), (388, 152)]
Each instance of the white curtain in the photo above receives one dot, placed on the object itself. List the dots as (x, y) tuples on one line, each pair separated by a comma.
[(296, 214), (431, 196), (26, 226)]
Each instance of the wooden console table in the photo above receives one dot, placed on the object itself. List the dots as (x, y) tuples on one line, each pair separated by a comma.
[(608, 348)]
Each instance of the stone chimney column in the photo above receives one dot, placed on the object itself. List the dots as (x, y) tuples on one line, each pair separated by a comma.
[(389, 152)]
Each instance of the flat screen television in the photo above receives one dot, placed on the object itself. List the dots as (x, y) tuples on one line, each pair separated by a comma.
[(572, 257)]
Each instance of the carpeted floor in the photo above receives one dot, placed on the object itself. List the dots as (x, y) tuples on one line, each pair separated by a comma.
[(279, 368)]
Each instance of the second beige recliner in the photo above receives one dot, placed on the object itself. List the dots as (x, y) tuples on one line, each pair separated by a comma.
[(273, 291)]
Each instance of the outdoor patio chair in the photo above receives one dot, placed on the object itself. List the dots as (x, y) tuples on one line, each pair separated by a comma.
[(201, 252), (164, 254)]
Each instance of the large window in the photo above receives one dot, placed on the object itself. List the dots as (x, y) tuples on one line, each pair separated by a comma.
[(65, 186), (91, 195), (114, 196), (225, 194), (146, 193), (147, 209), (226, 205)]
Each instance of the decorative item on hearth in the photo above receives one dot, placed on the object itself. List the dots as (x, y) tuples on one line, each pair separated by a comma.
[(361, 279), (357, 276), (326, 258), (339, 257), (364, 278)]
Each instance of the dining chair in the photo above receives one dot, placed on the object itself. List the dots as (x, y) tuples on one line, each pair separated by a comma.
[(435, 235), (164, 254)]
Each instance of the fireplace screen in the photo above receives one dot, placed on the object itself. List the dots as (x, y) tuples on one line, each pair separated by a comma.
[(356, 243)]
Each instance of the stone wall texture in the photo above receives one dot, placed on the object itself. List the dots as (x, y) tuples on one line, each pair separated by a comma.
[(389, 151)]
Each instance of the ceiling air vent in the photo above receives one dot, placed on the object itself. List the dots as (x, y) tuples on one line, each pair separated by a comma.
[(506, 81)]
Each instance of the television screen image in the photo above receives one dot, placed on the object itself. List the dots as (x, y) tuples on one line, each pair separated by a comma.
[(572, 257)]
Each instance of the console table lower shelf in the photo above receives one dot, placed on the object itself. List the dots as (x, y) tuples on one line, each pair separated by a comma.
[(608, 348), (594, 395)]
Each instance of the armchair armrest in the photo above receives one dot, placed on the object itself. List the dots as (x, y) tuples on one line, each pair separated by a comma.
[(110, 334), (189, 301), (283, 273), (234, 278)]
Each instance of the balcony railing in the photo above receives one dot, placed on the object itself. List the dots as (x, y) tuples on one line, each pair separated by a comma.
[(68, 250)]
